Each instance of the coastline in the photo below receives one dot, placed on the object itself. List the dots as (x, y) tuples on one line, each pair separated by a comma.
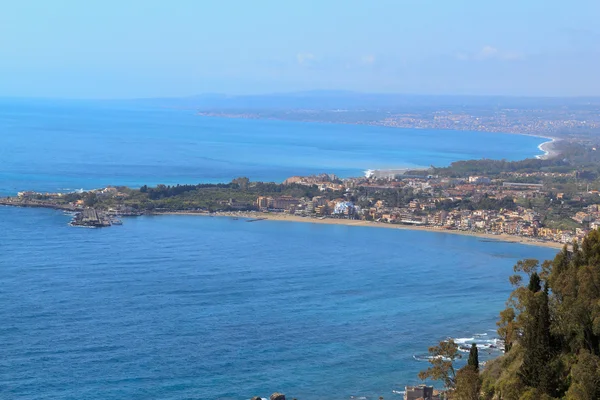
[(370, 224), (548, 149)]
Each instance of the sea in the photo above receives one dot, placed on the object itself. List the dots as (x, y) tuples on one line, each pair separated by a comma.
[(191, 307), (62, 145)]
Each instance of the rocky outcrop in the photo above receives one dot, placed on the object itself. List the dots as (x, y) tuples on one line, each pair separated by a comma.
[(256, 398), (277, 396)]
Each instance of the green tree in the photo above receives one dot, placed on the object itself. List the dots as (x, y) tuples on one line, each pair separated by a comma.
[(442, 359), (535, 284), (474, 357), (535, 370), (468, 384), (507, 327), (242, 182), (585, 377), (90, 200)]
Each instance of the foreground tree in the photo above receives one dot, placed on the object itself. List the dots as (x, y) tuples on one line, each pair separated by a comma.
[(551, 329), (474, 357), (535, 370), (468, 384), (585, 377), (441, 358)]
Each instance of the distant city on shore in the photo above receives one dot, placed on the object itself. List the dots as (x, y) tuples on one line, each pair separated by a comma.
[(576, 117)]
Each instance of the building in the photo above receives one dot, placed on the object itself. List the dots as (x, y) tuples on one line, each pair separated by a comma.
[(319, 201), (263, 202), (344, 208), (421, 392), (479, 180), (582, 217), (284, 203), (27, 194)]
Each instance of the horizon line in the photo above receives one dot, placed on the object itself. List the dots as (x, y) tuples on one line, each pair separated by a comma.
[(302, 93)]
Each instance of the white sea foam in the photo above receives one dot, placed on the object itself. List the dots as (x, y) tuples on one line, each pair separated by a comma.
[(464, 340), (542, 148), (427, 358)]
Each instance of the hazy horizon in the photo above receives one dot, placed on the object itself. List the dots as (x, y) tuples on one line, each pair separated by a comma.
[(151, 49), (317, 93)]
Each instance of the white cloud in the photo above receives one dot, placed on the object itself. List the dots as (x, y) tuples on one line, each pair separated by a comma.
[(369, 59), (488, 52), (305, 58)]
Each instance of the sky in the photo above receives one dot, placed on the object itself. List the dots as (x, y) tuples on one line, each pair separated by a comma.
[(159, 48)]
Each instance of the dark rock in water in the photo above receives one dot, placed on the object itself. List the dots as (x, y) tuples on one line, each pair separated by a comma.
[(256, 398), (277, 396)]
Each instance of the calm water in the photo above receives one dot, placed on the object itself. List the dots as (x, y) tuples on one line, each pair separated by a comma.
[(177, 307), (51, 146), (214, 308)]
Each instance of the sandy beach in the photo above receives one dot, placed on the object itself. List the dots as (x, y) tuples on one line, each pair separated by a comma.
[(548, 149), (334, 221)]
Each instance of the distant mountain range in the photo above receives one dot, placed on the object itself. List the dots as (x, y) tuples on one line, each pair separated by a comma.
[(331, 100)]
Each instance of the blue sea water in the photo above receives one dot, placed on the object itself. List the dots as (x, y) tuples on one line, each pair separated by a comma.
[(65, 145), (180, 307)]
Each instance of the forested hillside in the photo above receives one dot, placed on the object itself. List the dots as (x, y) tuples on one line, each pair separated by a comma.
[(551, 331)]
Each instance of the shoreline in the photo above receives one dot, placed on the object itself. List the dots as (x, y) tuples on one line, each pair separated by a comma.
[(545, 147), (282, 217), (371, 224), (548, 149)]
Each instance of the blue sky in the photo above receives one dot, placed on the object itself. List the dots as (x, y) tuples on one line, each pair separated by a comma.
[(152, 48)]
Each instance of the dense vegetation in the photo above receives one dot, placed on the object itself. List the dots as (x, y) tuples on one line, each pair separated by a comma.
[(239, 194), (581, 157), (551, 330)]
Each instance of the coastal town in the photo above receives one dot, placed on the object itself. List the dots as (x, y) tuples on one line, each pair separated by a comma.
[(509, 206), (575, 120)]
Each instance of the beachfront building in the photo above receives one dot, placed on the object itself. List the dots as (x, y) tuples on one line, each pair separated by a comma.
[(279, 203), (263, 202), (285, 203)]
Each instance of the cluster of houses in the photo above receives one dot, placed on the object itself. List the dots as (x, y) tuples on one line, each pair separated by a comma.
[(425, 210), (318, 205)]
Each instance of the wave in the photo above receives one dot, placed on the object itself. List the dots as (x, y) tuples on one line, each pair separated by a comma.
[(427, 358), (464, 340), (546, 148), (69, 190), (482, 341)]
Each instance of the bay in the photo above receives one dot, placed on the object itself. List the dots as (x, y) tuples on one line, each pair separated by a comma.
[(176, 307), (179, 307)]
